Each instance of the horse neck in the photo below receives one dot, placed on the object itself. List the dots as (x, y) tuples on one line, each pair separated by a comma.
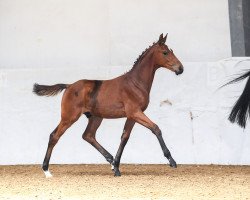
[(143, 72)]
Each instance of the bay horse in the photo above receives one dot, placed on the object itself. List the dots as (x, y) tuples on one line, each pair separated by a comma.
[(124, 96), (241, 109)]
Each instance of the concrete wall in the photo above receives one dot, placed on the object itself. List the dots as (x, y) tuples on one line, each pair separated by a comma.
[(53, 41), (27, 120), (77, 33)]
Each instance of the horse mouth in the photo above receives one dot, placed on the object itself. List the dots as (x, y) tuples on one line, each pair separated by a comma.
[(178, 72)]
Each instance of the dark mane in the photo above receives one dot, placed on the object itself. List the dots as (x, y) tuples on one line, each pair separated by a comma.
[(141, 56)]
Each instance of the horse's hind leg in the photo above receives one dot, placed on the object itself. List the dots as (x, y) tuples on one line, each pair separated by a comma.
[(54, 137), (89, 136), (71, 110), (125, 136)]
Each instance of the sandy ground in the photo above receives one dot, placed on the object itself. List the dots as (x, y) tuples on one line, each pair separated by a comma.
[(137, 182)]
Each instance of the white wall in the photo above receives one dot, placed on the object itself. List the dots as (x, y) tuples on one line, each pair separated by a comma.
[(27, 120), (51, 41), (79, 33)]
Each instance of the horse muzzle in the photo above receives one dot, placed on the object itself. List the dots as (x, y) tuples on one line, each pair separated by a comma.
[(180, 70)]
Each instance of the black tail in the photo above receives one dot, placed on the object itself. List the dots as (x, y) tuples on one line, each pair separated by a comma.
[(241, 109), (48, 90)]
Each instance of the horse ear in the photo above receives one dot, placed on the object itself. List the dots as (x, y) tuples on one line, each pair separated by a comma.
[(165, 38), (160, 39)]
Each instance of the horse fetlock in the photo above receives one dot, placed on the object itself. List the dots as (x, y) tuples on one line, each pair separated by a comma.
[(110, 159), (46, 171), (45, 167)]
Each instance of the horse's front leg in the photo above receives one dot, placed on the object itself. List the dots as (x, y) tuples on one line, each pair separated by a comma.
[(125, 136), (142, 119), (90, 136)]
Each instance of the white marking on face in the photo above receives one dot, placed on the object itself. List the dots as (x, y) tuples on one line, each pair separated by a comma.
[(47, 174)]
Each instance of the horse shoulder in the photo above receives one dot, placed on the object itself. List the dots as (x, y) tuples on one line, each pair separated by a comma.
[(135, 96)]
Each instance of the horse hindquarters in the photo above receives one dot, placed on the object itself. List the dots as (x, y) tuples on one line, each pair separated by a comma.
[(69, 114)]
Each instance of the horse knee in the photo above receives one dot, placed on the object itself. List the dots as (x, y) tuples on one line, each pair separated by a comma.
[(156, 130), (125, 136)]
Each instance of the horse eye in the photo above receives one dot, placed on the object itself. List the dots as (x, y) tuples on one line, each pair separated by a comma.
[(165, 53)]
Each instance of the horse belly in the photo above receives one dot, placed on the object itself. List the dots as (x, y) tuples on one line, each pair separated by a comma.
[(109, 110)]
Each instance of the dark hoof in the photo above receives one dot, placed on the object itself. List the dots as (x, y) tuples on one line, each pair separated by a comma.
[(172, 163), (117, 173)]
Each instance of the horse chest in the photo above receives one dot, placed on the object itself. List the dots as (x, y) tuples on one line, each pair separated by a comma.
[(139, 99), (144, 103)]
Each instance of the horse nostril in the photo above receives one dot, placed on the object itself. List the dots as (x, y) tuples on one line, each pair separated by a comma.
[(179, 69)]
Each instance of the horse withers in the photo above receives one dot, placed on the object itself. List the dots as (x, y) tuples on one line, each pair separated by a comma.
[(124, 96)]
